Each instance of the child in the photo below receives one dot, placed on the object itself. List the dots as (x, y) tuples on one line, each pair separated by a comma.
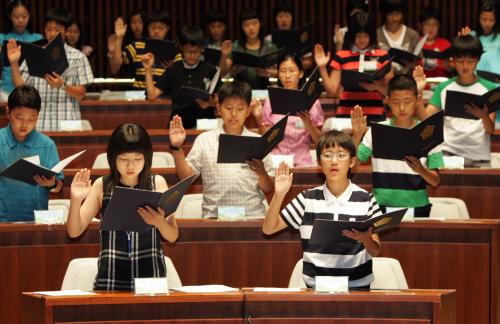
[(337, 199), (429, 21), (224, 184), (74, 38), (18, 140), (130, 155), (158, 25), (468, 138), (301, 128), (252, 41), (488, 28), (399, 183), (61, 94), (216, 29), (190, 71), (352, 8), (18, 26), (394, 33), (362, 55)]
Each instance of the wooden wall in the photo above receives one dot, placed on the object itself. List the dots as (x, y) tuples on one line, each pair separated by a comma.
[(97, 16)]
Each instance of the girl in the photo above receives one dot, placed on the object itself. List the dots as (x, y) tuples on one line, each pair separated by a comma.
[(300, 129), (130, 156), (216, 29), (362, 55), (18, 26), (74, 39), (488, 33)]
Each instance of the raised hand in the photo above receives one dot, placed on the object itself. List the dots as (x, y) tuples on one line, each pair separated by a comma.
[(226, 47), (148, 60), (339, 35), (320, 57), (257, 111), (283, 179), (81, 184), (111, 43), (120, 27), (464, 31), (358, 122), (13, 51), (420, 78), (177, 133)]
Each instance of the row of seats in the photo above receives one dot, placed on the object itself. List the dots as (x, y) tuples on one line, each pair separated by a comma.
[(81, 272)]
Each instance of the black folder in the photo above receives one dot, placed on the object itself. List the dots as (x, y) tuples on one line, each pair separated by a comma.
[(163, 50), (284, 101), (327, 231), (295, 40), (189, 94), (239, 149), (350, 79), (456, 101), (401, 56), (442, 55), (394, 143), (45, 60), (262, 61), (212, 55), (122, 215), (490, 76), (23, 170)]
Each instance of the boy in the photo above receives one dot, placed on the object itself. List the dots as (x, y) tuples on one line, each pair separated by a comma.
[(216, 29), (158, 25), (399, 183), (190, 71), (224, 184), (468, 138), (338, 199), (61, 94), (18, 140)]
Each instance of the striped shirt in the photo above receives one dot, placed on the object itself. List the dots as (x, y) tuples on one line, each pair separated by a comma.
[(371, 101), (119, 263), (395, 184), (57, 105), (342, 259)]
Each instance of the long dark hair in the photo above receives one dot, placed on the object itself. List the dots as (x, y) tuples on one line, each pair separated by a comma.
[(361, 22), (246, 15), (79, 43), (130, 138), (489, 6), (129, 36), (7, 23)]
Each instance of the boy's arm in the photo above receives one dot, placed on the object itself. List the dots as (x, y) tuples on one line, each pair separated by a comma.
[(266, 183), (116, 57), (359, 128), (177, 136), (282, 183), (152, 91), (330, 82), (430, 176), (14, 55)]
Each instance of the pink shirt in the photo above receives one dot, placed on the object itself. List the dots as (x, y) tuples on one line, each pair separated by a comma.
[(297, 139)]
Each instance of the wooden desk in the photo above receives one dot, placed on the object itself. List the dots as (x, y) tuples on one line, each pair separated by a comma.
[(127, 308), (461, 255), (412, 306), (391, 307)]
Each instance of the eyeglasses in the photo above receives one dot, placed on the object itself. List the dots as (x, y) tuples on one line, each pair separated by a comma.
[(340, 156)]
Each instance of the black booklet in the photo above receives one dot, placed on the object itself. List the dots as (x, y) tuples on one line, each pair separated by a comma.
[(442, 55), (404, 57), (212, 55), (188, 94), (327, 231), (456, 101), (163, 50), (24, 170), (284, 101), (394, 143), (239, 149), (262, 61), (295, 40), (122, 215), (5, 59), (45, 60), (490, 76), (350, 79)]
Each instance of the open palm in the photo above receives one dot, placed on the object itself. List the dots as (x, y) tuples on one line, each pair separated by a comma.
[(177, 133), (81, 184), (283, 179)]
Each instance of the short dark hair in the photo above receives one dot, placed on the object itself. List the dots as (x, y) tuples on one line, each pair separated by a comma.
[(361, 22), (489, 6), (282, 6), (356, 4), (60, 16), (334, 138), (248, 14), (402, 82), (236, 89), (295, 59), (466, 46), (191, 35), (388, 6), (7, 23), (217, 16), (24, 96), (159, 16), (429, 13), (130, 138)]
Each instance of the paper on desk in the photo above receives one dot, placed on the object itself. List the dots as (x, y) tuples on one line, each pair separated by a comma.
[(274, 289), (75, 292), (205, 289)]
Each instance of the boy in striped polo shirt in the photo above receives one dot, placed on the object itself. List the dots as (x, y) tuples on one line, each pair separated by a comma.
[(336, 199), (399, 183)]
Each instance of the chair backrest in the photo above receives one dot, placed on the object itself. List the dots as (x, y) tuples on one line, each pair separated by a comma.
[(86, 125), (63, 204), (190, 206), (160, 160), (448, 207), (495, 160), (387, 272), (81, 273)]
